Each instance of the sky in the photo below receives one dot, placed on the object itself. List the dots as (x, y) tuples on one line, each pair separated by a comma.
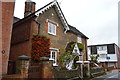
[(97, 19)]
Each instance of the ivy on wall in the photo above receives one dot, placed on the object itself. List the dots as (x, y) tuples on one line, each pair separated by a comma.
[(68, 56), (40, 47), (71, 45)]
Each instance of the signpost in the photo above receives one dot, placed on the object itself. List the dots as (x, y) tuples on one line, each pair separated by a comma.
[(108, 58)]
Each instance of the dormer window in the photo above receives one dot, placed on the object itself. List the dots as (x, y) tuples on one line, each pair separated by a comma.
[(52, 27)]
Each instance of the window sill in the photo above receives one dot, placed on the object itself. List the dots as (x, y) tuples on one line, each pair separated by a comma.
[(51, 34), (55, 65), (79, 42), (51, 59)]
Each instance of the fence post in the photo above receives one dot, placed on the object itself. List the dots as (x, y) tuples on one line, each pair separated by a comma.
[(47, 68), (22, 66)]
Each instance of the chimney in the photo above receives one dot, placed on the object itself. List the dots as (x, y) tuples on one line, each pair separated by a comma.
[(29, 7)]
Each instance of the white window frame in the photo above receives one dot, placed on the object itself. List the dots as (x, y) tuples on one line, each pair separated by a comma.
[(52, 58), (53, 26), (79, 39), (102, 48)]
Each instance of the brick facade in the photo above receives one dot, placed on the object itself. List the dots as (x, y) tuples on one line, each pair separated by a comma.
[(21, 38), (7, 21), (58, 41)]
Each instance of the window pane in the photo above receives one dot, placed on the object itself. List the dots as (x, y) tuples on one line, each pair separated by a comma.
[(111, 49), (79, 39), (93, 50), (53, 55), (51, 28)]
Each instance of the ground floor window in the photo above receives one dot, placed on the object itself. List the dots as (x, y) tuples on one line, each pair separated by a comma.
[(53, 56), (111, 64)]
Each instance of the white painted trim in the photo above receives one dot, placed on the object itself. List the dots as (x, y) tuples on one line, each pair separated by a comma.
[(54, 49), (58, 10), (51, 59), (53, 26), (55, 65), (52, 21), (82, 61), (57, 50)]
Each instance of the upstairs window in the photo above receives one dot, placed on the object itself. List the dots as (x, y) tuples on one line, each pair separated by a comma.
[(102, 48), (111, 49), (79, 40), (93, 50), (52, 27)]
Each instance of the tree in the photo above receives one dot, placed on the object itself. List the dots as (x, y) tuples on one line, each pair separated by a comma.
[(94, 57)]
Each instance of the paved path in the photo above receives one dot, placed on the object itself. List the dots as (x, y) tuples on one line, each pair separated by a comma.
[(111, 75)]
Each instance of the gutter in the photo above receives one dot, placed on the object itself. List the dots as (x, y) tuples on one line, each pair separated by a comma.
[(38, 24)]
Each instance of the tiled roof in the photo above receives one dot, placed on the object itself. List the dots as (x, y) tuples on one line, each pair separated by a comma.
[(76, 31), (103, 44), (16, 19)]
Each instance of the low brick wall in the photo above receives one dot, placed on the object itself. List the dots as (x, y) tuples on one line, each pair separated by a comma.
[(14, 76), (110, 68), (97, 71), (42, 69), (69, 74), (34, 72)]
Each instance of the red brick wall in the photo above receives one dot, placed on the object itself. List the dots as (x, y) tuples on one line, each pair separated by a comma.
[(84, 41), (61, 40), (21, 39), (7, 21)]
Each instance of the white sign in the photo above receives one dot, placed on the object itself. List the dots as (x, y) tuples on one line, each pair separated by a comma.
[(76, 49)]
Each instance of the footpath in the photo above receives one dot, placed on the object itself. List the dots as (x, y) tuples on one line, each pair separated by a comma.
[(108, 73)]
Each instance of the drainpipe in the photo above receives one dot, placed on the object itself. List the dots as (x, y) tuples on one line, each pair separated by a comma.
[(38, 24)]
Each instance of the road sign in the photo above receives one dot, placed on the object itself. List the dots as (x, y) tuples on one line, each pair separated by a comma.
[(107, 58)]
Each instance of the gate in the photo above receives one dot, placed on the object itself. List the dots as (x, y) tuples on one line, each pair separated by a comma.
[(11, 67), (35, 71), (42, 69)]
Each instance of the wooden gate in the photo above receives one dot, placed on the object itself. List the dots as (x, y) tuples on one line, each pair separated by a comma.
[(34, 72), (11, 67), (40, 70)]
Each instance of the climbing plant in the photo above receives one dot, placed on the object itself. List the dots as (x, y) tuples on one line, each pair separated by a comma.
[(40, 47), (71, 45), (68, 56)]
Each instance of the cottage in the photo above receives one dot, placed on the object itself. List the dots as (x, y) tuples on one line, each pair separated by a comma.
[(47, 21)]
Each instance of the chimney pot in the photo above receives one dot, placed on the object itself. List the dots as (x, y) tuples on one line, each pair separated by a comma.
[(29, 7)]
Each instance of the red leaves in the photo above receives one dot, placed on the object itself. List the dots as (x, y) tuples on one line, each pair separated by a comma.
[(40, 47)]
